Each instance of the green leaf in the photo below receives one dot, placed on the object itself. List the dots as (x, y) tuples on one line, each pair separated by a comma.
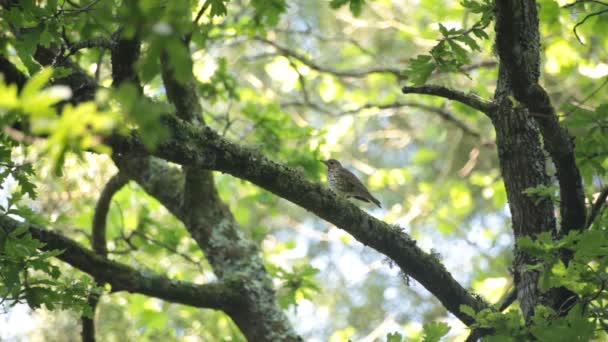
[(395, 337), (218, 8), (267, 12), (434, 331), (179, 59), (467, 310), (355, 6), (33, 86), (420, 69), (22, 229)]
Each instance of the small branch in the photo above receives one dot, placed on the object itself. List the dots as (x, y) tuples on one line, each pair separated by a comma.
[(442, 113), (99, 42), (188, 36), (507, 300), (340, 73), (219, 295), (478, 65), (201, 11), (101, 212), (580, 2), (470, 100), (79, 9), (166, 246), (591, 15), (310, 33), (301, 80), (596, 208), (99, 244)]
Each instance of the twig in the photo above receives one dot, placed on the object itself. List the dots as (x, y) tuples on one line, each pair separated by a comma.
[(444, 114), (201, 11), (99, 243), (340, 73), (188, 37), (578, 2), (101, 212), (301, 80), (583, 21), (470, 100), (597, 207), (78, 9)]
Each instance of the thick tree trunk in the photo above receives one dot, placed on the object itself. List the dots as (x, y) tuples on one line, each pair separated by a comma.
[(519, 128)]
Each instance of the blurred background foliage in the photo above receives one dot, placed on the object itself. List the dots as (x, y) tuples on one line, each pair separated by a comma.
[(311, 83)]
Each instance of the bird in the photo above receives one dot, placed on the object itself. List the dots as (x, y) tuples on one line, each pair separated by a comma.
[(345, 183)]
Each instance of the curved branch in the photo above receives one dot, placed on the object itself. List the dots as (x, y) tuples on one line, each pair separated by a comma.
[(470, 100), (590, 15), (217, 295), (98, 239), (206, 149)]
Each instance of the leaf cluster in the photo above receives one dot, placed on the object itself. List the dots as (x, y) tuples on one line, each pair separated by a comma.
[(455, 47)]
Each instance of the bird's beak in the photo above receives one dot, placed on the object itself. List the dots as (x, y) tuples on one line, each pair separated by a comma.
[(324, 162)]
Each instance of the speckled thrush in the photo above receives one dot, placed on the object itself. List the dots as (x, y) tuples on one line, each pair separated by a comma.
[(345, 183)]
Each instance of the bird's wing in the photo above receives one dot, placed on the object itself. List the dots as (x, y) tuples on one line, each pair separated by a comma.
[(354, 180)]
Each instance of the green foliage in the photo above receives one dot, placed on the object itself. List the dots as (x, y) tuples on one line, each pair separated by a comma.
[(75, 130), (431, 332), (394, 337), (413, 157), (267, 12), (221, 87), (356, 6), (434, 331), (454, 49), (28, 275), (21, 172), (218, 7), (591, 141), (299, 283), (143, 113), (585, 275), (575, 326), (279, 136), (542, 192)]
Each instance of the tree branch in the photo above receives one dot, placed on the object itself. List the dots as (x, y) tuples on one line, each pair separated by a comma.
[(596, 208), (318, 67), (590, 15), (442, 113), (470, 100), (206, 149), (98, 240), (218, 295)]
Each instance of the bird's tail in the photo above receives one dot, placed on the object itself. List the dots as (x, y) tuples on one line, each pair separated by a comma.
[(376, 202), (368, 198)]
